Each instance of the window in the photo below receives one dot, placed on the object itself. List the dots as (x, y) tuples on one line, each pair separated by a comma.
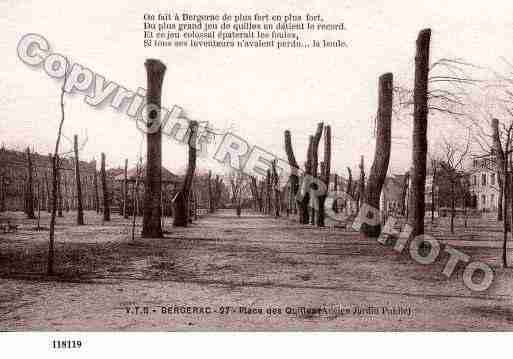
[(483, 200), (492, 179), (483, 179), (492, 200), (475, 180)]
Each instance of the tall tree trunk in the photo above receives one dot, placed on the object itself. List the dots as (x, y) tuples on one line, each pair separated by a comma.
[(181, 200), (315, 165), (268, 192), (210, 194), (276, 190), (294, 177), (55, 172), (500, 196), (48, 205), (361, 183), (135, 195), (404, 193), (78, 182), (152, 225), (335, 189), (420, 118), (96, 194), (105, 191), (30, 187), (59, 194), (453, 206), (38, 186), (379, 167), (325, 175), (502, 165), (125, 191), (433, 186)]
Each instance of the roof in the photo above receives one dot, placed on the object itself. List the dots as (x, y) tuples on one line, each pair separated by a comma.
[(167, 176)]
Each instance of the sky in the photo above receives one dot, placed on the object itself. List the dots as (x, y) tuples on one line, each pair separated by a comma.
[(257, 93)]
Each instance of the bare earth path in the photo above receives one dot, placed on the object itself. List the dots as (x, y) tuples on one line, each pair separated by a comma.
[(227, 267)]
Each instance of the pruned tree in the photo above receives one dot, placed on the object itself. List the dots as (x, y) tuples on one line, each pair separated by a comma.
[(361, 183), (379, 167), (404, 194), (314, 200), (29, 207), (434, 175), (152, 224), (55, 174), (237, 187), (210, 193), (452, 170), (503, 149), (257, 195), (325, 175), (294, 167), (420, 120), (268, 203), (105, 191), (275, 182), (96, 190), (181, 200), (78, 183), (125, 190), (135, 194), (59, 195)]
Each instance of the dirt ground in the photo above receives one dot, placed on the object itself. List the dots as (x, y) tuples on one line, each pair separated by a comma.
[(247, 273)]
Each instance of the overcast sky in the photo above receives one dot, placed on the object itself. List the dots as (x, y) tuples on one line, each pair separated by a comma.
[(258, 93)]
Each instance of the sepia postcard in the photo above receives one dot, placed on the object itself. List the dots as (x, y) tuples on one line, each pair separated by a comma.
[(296, 166)]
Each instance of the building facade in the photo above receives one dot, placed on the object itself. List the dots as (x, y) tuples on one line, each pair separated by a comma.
[(14, 181), (484, 186)]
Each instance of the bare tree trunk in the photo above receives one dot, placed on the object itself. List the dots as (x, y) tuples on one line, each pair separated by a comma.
[(276, 190), (294, 178), (304, 214), (125, 191), (78, 182), (315, 166), (152, 225), (335, 189), (453, 206), (361, 183), (502, 165), (501, 195), (433, 186), (55, 172), (325, 175), (38, 206), (181, 201), (506, 226), (210, 194), (30, 187), (66, 194), (106, 204), (379, 167), (135, 196), (59, 194), (96, 194), (48, 206), (420, 118), (404, 203)]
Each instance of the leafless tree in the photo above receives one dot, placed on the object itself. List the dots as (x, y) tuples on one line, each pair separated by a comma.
[(379, 167), (238, 184), (152, 224), (452, 169)]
